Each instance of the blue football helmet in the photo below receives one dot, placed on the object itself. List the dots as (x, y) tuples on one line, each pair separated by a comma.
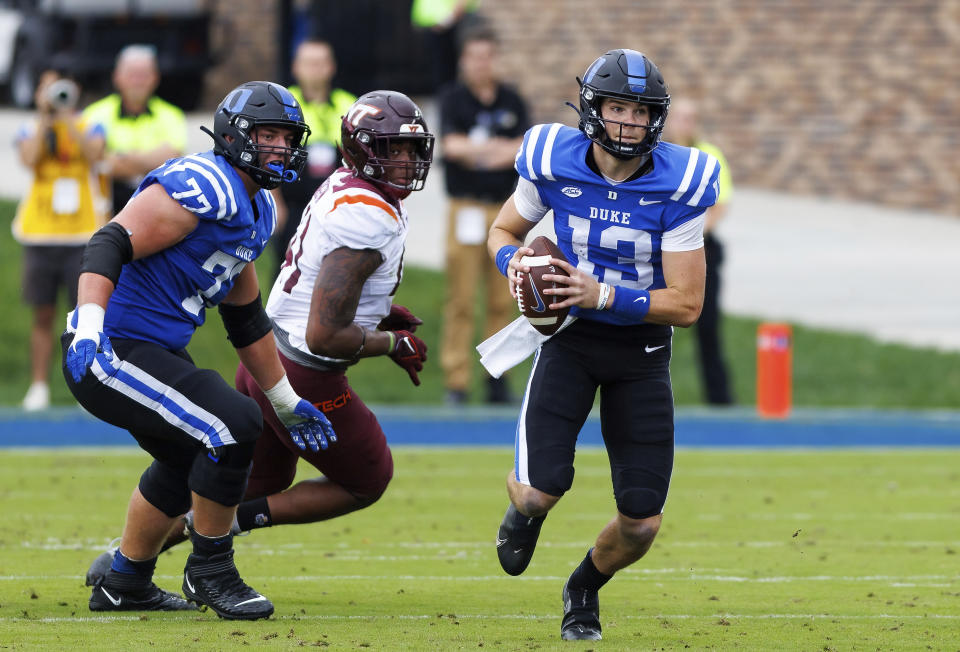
[(251, 105), (624, 75)]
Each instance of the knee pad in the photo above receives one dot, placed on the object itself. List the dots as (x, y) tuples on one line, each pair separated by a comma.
[(166, 489), (556, 483), (379, 482), (221, 475), (640, 502), (376, 487)]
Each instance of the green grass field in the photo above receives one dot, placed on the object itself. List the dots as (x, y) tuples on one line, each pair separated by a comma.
[(760, 550)]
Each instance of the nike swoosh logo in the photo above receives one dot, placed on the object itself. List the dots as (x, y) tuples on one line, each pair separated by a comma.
[(643, 202), (644, 299), (651, 349), (186, 579), (500, 541), (540, 307), (259, 598), (115, 601)]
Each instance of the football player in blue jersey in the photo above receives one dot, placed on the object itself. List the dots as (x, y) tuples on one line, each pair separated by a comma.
[(628, 214), (184, 243)]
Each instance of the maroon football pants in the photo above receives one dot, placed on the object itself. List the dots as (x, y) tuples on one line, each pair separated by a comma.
[(359, 461)]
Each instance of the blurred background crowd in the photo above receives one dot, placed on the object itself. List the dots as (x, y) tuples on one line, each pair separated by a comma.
[(814, 102)]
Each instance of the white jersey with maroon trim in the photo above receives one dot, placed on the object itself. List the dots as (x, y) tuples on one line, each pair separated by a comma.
[(346, 211)]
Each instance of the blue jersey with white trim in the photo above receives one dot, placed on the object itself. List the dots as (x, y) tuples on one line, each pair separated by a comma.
[(162, 298), (614, 230)]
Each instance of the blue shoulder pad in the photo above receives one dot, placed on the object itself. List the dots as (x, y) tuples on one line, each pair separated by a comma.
[(699, 185), (534, 160), (199, 185)]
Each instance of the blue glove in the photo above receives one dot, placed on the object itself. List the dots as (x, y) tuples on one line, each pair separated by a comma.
[(307, 425), (87, 341), (313, 429)]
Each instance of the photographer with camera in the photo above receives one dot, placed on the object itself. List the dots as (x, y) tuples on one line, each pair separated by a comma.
[(59, 213)]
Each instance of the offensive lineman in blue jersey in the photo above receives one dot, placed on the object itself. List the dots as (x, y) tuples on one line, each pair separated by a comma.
[(628, 213), (183, 244)]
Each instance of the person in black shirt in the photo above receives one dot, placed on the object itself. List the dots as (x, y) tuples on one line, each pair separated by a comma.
[(482, 127)]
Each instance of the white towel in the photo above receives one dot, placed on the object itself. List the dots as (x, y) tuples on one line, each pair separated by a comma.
[(513, 344)]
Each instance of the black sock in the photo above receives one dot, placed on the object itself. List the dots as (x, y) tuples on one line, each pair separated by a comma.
[(521, 520), (586, 576), (253, 514), (128, 575), (208, 546), (122, 564)]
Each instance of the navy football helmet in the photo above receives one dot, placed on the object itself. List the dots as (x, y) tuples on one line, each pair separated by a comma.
[(245, 108), (623, 75), (374, 123)]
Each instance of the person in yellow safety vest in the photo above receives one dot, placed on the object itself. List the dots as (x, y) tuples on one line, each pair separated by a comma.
[(683, 128), (142, 130), (323, 108), (59, 213)]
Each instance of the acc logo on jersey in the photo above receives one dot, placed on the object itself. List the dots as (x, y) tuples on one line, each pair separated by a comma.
[(359, 111), (571, 191)]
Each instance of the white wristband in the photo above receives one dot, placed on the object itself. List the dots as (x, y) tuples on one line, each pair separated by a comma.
[(282, 396), (90, 318), (604, 295)]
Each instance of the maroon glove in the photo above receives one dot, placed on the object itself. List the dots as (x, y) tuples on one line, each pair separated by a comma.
[(409, 352), (400, 319)]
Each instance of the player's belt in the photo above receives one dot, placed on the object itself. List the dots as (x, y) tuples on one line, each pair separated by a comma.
[(305, 359)]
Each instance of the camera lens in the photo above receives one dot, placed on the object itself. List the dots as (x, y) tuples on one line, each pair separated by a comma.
[(62, 94)]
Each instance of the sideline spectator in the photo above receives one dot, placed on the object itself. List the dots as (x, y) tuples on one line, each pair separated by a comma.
[(683, 128), (142, 130), (60, 212), (482, 125), (442, 20), (314, 66)]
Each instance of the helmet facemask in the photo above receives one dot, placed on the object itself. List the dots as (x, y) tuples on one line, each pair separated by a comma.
[(594, 125), (379, 164), (249, 153)]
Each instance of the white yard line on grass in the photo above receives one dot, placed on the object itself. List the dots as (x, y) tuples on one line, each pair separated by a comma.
[(547, 617)]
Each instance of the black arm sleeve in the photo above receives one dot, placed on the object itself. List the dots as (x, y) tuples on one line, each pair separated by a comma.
[(108, 250), (245, 324)]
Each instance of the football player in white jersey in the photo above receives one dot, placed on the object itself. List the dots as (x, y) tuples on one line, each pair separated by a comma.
[(332, 305), (628, 214), (183, 244)]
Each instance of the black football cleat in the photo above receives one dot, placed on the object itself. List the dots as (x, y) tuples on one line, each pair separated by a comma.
[(216, 583), (136, 595), (517, 539), (581, 615)]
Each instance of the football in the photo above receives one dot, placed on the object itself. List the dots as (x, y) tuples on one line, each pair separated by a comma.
[(530, 298)]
